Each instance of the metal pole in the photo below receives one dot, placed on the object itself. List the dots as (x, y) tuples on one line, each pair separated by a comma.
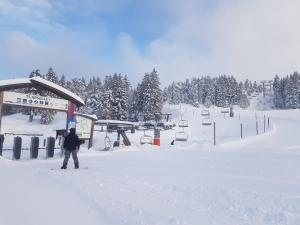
[(214, 133), (256, 128), (241, 130), (264, 123), (268, 122)]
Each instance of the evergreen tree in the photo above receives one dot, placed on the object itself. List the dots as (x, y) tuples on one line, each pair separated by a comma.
[(93, 97), (47, 116), (152, 94), (173, 93), (62, 81), (278, 92), (292, 94)]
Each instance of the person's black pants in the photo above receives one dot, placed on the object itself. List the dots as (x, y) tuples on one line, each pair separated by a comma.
[(74, 156)]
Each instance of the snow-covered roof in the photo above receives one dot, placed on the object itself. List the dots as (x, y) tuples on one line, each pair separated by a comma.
[(59, 90), (114, 122), (92, 117), (41, 83), (14, 84)]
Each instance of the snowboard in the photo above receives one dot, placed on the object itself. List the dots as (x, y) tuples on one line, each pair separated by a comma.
[(80, 168)]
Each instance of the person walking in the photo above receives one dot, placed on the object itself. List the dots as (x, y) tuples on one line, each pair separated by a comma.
[(71, 146)]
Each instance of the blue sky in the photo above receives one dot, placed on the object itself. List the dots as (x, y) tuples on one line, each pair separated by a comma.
[(249, 39)]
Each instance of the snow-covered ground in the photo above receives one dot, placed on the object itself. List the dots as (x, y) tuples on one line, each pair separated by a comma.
[(255, 180)]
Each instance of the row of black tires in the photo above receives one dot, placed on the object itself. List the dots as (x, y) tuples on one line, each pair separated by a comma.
[(34, 147)]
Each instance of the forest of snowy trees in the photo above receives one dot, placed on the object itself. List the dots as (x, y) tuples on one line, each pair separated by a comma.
[(110, 98), (113, 97), (225, 90), (221, 91), (287, 91)]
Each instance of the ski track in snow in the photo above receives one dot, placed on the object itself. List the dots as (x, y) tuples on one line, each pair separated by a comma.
[(239, 182)]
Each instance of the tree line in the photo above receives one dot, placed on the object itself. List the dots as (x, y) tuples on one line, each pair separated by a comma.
[(111, 98), (220, 91), (287, 91)]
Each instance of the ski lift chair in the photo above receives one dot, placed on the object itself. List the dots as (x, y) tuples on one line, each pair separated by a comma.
[(146, 139), (205, 112), (183, 123), (181, 136), (225, 110), (107, 143), (160, 126), (206, 122)]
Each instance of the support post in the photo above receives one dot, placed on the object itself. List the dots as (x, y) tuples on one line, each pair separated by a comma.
[(91, 135), (214, 133), (241, 130), (156, 136), (256, 128), (268, 123), (1, 143), (264, 123), (71, 121)]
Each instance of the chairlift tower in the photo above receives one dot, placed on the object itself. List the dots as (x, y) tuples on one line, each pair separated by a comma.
[(266, 83), (230, 104)]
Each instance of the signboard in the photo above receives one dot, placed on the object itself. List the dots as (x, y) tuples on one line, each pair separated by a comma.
[(83, 127), (35, 101)]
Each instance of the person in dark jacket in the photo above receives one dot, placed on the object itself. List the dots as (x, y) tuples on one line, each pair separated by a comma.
[(71, 146)]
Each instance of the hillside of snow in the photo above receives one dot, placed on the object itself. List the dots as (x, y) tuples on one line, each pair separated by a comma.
[(254, 180)]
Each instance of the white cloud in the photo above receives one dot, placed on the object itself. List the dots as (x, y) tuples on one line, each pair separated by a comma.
[(22, 54), (249, 39)]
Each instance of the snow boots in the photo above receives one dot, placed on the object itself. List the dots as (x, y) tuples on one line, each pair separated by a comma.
[(76, 165), (64, 167)]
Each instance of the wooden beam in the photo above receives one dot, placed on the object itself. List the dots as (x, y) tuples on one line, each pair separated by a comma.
[(91, 135)]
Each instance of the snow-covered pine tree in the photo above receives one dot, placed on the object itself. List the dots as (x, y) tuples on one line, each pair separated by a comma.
[(105, 104), (174, 94), (221, 91), (51, 76), (139, 102), (62, 81), (126, 94), (292, 93), (278, 93), (133, 106), (47, 116), (208, 91), (34, 91), (152, 94), (195, 92), (93, 96), (244, 101), (79, 88), (119, 87)]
